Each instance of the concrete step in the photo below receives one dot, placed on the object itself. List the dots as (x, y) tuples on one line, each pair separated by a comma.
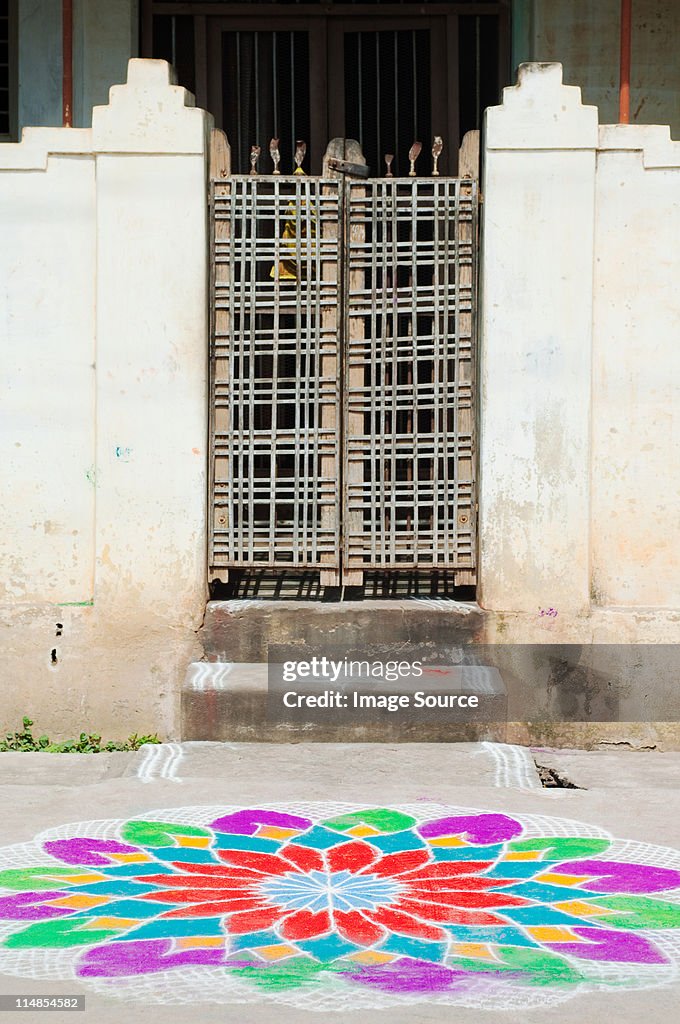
[(230, 701), (243, 631), (225, 696)]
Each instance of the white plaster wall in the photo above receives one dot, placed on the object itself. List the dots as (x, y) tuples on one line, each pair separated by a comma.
[(104, 347), (539, 185), (636, 370), (47, 354), (580, 370), (152, 386)]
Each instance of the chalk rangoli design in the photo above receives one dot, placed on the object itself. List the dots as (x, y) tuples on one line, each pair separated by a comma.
[(333, 906)]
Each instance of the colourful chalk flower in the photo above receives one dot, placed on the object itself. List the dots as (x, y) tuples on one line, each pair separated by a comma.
[(395, 902)]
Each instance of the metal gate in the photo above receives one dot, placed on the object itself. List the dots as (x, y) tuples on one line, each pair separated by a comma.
[(342, 375)]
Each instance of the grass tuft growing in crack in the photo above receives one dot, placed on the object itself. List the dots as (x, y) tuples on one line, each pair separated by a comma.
[(87, 742)]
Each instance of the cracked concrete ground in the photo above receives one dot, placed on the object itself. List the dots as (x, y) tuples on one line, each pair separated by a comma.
[(633, 796)]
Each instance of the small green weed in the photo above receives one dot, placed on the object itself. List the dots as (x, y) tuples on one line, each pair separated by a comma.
[(87, 742)]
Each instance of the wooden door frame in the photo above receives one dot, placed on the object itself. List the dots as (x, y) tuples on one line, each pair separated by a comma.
[(150, 7)]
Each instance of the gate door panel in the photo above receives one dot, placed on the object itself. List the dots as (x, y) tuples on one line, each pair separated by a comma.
[(275, 373), (342, 375), (410, 286)]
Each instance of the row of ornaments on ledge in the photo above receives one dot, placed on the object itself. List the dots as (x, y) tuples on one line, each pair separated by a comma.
[(301, 149)]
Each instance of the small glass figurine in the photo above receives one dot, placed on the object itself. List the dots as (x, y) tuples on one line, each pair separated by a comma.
[(300, 151), (437, 147), (413, 154), (275, 155), (254, 157), (389, 157)]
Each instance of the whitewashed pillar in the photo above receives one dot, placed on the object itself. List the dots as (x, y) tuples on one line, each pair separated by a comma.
[(536, 342), (150, 145)]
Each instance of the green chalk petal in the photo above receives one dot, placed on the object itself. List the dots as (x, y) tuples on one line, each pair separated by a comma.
[(381, 818), (58, 934), (638, 912), (158, 833), (289, 974), (538, 967), (36, 879), (561, 848)]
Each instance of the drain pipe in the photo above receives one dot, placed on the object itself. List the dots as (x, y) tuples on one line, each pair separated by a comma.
[(67, 60), (624, 79)]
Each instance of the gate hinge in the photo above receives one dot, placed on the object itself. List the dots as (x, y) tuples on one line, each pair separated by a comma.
[(345, 167)]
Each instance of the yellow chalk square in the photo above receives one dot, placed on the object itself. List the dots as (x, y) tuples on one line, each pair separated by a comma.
[(371, 956), (277, 952), (581, 909), (91, 876), (552, 878), (553, 933), (80, 901), (111, 922), (475, 950), (200, 942), (130, 858), (272, 832), (359, 831)]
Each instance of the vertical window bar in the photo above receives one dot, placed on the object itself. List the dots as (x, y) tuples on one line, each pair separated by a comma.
[(377, 94), (256, 56), (396, 100), (292, 94), (275, 91), (239, 132), (173, 22), (415, 84), (361, 98), (256, 140), (478, 76)]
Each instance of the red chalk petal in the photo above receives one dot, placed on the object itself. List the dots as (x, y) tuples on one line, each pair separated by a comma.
[(350, 857), (304, 924)]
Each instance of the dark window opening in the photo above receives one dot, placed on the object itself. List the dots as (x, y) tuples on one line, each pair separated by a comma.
[(478, 68), (265, 95), (388, 100), (173, 40), (385, 79)]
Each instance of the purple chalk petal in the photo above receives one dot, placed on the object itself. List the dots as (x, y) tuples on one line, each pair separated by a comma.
[(245, 823), (618, 877), (144, 956), (478, 828), (611, 946), (25, 906), (406, 975), (86, 850)]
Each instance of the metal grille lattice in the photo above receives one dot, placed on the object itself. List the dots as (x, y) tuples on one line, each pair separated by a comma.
[(343, 369), (408, 453), (275, 373)]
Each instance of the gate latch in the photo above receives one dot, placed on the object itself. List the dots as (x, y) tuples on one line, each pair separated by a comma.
[(345, 167)]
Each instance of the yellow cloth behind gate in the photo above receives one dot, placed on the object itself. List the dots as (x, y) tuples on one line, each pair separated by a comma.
[(288, 269)]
